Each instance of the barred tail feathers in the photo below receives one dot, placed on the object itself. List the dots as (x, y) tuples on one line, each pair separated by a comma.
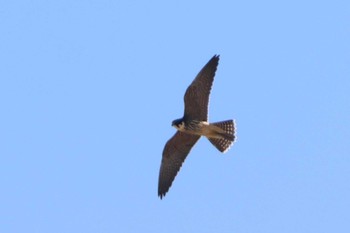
[(228, 137)]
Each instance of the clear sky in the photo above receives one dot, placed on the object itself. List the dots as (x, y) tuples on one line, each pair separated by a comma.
[(88, 91)]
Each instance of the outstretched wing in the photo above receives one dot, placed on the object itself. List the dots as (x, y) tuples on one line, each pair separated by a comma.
[(174, 154), (197, 94)]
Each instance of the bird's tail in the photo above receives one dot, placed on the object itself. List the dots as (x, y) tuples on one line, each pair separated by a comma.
[(226, 135)]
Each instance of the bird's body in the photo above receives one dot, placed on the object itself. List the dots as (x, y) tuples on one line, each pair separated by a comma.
[(192, 126), (202, 128)]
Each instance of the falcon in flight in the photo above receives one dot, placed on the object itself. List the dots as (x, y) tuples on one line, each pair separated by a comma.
[(192, 126)]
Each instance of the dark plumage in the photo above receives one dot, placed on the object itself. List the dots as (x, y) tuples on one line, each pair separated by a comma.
[(192, 126)]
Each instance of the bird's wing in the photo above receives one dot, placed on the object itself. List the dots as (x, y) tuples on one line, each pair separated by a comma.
[(174, 154), (197, 94)]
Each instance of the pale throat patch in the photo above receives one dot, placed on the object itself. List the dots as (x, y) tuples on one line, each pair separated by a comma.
[(180, 127)]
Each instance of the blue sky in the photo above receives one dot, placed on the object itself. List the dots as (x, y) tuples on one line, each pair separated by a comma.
[(88, 90)]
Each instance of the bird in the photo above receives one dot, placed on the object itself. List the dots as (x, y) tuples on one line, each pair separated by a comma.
[(193, 125)]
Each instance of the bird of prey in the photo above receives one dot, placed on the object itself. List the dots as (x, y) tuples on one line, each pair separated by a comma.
[(192, 126)]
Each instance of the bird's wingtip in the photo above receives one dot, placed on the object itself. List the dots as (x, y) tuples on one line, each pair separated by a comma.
[(161, 195), (216, 57)]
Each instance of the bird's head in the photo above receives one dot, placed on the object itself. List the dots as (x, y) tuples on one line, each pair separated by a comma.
[(178, 124)]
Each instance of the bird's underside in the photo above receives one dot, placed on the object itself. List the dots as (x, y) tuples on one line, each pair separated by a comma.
[(192, 126)]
